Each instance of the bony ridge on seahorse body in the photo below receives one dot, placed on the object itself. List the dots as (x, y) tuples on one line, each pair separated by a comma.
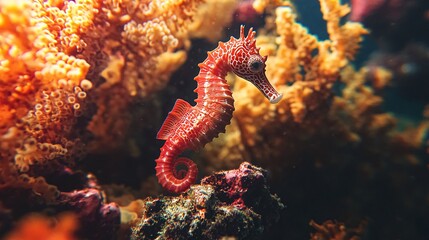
[(191, 127)]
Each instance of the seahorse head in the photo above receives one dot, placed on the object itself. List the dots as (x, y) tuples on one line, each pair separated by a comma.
[(245, 61)]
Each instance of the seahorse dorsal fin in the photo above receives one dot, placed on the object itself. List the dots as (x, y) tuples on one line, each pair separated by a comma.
[(174, 116)]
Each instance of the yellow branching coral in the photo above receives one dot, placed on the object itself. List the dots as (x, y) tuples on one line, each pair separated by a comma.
[(310, 66), (303, 69), (299, 59), (295, 53)]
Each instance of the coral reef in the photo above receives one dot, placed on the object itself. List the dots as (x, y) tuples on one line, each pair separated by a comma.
[(98, 76), (70, 73), (43, 90), (47, 54), (53, 53), (231, 203)]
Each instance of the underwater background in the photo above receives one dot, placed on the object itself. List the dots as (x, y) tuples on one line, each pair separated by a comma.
[(86, 85)]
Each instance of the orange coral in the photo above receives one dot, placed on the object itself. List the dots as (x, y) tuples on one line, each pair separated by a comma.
[(43, 86), (53, 53), (37, 227)]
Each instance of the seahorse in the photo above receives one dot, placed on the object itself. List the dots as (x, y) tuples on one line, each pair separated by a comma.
[(191, 127)]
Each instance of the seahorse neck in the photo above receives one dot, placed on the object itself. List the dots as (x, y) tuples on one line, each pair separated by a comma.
[(216, 63), (211, 78)]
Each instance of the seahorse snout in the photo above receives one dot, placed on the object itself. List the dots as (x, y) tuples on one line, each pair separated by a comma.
[(276, 98), (267, 89)]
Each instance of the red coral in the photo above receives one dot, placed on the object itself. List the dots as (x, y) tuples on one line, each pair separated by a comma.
[(238, 186)]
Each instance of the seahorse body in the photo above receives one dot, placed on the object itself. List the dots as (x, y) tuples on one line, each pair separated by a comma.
[(191, 127)]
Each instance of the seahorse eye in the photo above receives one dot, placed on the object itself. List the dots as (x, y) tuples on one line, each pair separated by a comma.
[(255, 64)]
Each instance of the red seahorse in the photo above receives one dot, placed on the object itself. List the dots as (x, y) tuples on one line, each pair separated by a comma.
[(191, 127)]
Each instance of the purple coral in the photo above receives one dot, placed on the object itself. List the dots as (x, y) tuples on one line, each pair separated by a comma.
[(239, 187), (230, 203), (98, 219), (246, 14), (394, 23)]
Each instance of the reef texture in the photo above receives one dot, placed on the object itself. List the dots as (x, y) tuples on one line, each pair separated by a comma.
[(52, 53), (232, 203)]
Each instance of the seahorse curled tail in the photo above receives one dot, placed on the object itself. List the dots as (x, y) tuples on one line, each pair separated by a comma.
[(170, 171)]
